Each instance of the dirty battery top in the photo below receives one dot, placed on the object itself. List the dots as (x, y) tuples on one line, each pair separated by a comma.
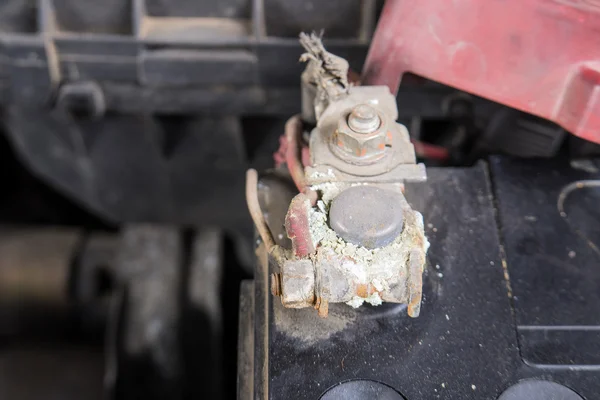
[(510, 302)]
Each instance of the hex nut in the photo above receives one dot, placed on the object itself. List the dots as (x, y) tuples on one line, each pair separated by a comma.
[(366, 146)]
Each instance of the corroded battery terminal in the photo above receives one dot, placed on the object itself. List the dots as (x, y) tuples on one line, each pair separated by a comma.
[(355, 238)]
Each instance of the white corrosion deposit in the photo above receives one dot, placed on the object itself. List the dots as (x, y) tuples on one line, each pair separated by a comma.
[(381, 268)]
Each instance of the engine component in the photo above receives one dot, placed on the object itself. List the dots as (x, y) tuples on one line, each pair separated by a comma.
[(355, 238)]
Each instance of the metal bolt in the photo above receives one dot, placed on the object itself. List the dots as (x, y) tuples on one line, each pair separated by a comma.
[(364, 119), (322, 306), (361, 136), (276, 284)]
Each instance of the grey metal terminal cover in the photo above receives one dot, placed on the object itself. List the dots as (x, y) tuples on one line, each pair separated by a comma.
[(367, 216)]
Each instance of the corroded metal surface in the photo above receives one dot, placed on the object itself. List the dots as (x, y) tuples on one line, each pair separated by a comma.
[(354, 237), (361, 143), (360, 156), (297, 226)]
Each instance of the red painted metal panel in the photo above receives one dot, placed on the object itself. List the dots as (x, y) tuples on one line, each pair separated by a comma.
[(538, 56)]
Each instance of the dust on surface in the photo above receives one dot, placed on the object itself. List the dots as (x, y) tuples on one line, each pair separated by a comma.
[(306, 325)]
